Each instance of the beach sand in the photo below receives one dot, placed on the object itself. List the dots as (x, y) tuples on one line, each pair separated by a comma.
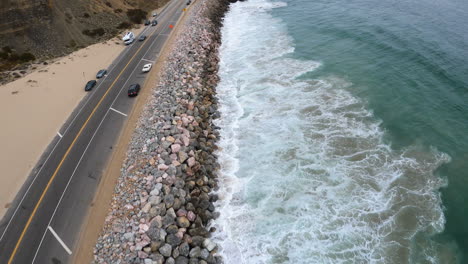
[(36, 106)]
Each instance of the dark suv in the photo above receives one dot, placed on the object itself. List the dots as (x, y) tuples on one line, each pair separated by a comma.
[(154, 23), (90, 85), (133, 90)]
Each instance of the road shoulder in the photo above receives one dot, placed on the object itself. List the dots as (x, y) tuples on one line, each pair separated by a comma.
[(100, 206)]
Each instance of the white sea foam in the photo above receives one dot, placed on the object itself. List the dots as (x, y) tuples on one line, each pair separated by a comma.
[(306, 176)]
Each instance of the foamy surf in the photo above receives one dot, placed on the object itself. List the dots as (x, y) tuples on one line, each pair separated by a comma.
[(305, 175)]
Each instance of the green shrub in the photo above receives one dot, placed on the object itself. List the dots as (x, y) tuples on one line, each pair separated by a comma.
[(124, 25), (136, 15), (27, 56), (94, 32)]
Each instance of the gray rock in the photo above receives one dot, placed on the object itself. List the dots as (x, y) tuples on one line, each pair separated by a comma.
[(184, 249), (170, 212), (195, 252), (170, 261), (157, 258), (204, 254), (169, 200), (172, 229), (193, 261), (208, 244), (154, 233), (130, 236), (175, 253), (165, 250), (197, 241), (173, 240), (181, 260)]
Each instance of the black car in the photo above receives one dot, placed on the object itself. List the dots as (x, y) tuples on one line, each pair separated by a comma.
[(142, 37), (101, 73), (154, 23), (147, 22), (90, 85), (189, 2), (133, 90)]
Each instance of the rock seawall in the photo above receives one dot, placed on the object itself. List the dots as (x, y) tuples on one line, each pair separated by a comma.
[(162, 203)]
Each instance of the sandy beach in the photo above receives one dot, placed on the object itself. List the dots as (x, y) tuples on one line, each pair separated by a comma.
[(36, 106)]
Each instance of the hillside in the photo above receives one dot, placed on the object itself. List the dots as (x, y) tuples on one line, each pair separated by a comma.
[(41, 29)]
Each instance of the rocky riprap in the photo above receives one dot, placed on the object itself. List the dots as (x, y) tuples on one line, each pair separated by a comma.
[(162, 203)]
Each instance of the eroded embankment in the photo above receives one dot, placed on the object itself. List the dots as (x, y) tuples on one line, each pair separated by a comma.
[(162, 203)]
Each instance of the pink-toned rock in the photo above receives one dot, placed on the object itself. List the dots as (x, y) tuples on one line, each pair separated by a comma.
[(181, 212), (185, 121), (191, 161), (185, 140), (173, 156), (175, 148), (143, 228), (152, 161), (175, 163), (170, 139), (191, 216), (162, 167), (142, 254)]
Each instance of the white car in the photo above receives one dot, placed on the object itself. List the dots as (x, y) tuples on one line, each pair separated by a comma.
[(147, 67), (130, 41), (128, 35)]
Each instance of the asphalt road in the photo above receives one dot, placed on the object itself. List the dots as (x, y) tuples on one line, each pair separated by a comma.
[(44, 221)]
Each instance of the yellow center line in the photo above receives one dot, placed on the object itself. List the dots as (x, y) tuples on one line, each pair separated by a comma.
[(66, 154)]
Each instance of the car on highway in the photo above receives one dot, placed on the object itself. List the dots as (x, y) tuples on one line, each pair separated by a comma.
[(101, 73), (128, 35), (90, 85), (130, 41), (155, 14), (147, 67), (133, 90), (142, 37), (189, 2), (147, 22), (154, 23)]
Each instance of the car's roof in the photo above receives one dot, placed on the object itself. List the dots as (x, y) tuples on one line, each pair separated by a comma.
[(147, 65)]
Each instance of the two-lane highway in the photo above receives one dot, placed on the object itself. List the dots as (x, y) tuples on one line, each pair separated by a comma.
[(43, 223)]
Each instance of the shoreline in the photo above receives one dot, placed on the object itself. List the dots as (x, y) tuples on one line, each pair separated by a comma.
[(163, 202)]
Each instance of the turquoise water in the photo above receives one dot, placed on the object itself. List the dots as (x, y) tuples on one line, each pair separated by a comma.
[(344, 132)]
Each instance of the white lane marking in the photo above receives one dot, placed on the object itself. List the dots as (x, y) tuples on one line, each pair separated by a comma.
[(58, 133), (113, 65), (148, 60), (60, 240), (84, 152), (117, 111)]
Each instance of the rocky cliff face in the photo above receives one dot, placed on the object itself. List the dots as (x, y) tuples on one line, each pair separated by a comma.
[(49, 28)]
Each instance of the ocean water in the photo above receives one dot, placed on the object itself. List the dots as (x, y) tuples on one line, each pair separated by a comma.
[(344, 133)]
